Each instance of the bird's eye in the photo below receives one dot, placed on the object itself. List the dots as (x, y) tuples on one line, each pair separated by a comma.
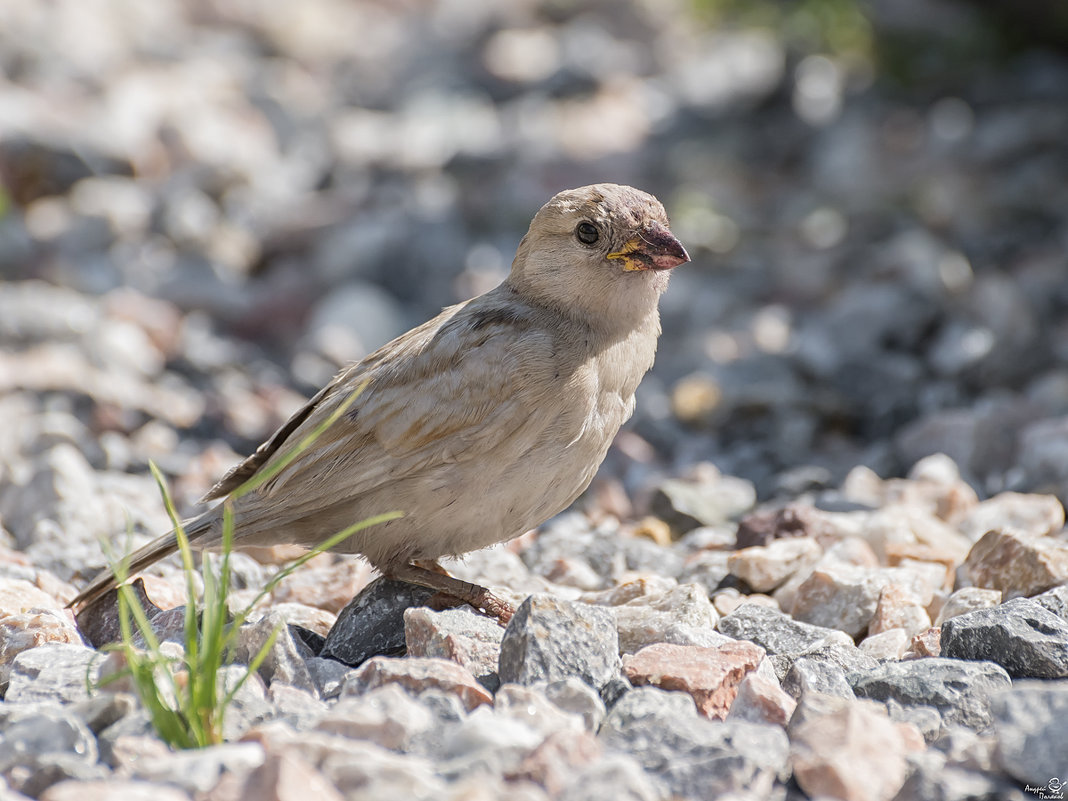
[(587, 233)]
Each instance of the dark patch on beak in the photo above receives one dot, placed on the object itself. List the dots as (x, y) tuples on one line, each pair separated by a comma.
[(652, 248)]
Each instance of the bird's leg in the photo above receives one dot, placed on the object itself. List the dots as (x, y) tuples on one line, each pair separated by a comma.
[(463, 591)]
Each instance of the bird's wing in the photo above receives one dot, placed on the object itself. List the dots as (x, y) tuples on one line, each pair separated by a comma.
[(444, 392)]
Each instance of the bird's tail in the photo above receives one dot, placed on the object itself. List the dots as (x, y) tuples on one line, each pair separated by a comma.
[(159, 548)]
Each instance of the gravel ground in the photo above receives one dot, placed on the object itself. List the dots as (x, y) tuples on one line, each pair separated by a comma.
[(827, 558)]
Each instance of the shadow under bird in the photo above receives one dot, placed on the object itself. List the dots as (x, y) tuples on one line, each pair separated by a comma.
[(481, 423)]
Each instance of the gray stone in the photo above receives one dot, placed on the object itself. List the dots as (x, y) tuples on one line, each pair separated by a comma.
[(550, 639), (807, 675), (960, 691), (530, 707), (387, 716), (43, 744), (284, 661), (101, 710), (930, 779), (575, 696), (328, 675), (1055, 600), (841, 653), (53, 672), (687, 504), (249, 705), (1031, 721), (445, 706), (365, 770), (967, 749), (1021, 635), (926, 719), (613, 777), (293, 706), (683, 616), (967, 599), (693, 756), (372, 624), (40, 730), (198, 770), (706, 568), (483, 742), (774, 631)]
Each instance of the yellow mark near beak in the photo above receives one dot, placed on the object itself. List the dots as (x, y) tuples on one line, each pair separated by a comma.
[(629, 264)]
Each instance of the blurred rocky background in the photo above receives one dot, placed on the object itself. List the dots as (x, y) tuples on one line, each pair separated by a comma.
[(208, 207)]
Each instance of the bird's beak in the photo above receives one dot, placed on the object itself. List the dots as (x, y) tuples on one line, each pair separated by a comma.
[(653, 248)]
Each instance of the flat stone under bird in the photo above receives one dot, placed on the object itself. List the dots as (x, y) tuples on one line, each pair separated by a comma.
[(481, 423)]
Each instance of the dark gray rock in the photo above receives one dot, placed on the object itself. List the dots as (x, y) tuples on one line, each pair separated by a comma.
[(1031, 722), (550, 639), (960, 691), (774, 631), (328, 675), (99, 621), (1021, 635), (693, 756), (372, 623), (807, 675)]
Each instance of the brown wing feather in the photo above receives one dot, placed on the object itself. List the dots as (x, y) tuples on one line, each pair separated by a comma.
[(411, 381), (245, 470)]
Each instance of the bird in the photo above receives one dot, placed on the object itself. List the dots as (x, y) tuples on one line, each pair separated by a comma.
[(478, 425)]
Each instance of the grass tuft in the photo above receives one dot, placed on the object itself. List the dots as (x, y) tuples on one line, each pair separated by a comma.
[(182, 694)]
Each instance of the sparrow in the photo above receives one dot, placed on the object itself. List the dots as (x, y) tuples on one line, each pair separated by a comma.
[(479, 424)]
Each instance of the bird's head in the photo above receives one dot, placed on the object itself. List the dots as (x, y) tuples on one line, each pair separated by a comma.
[(602, 252)]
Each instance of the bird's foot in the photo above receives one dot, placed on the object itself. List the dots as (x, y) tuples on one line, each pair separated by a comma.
[(453, 591)]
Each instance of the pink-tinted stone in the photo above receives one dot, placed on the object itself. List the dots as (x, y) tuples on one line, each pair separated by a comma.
[(287, 777), (845, 597), (553, 763), (887, 645), (18, 596), (416, 675), (459, 635), (27, 630), (853, 753), (111, 790), (766, 567), (926, 643), (710, 675), (762, 700), (1040, 515), (898, 608), (1017, 563)]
